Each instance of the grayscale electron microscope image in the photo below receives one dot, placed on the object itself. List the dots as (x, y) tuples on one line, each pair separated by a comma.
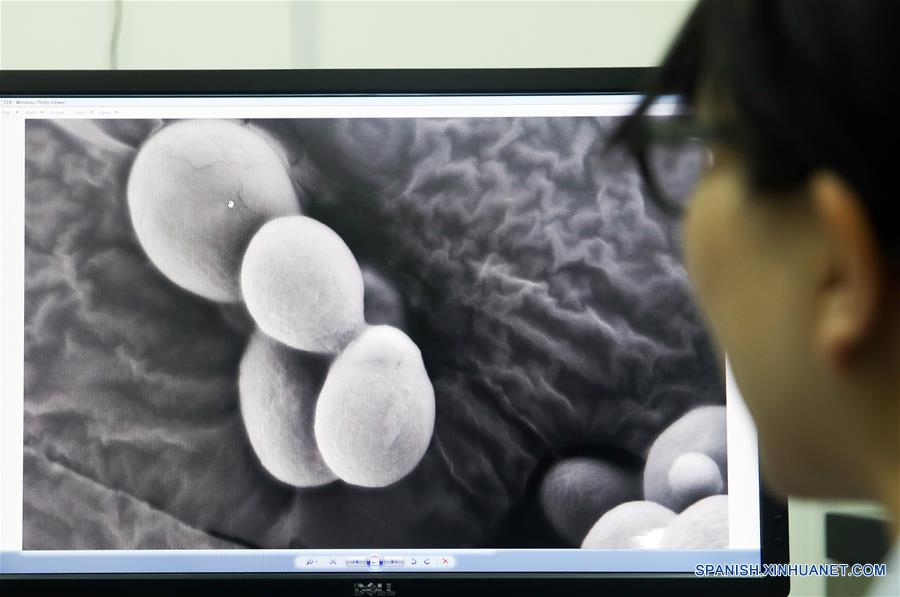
[(329, 333)]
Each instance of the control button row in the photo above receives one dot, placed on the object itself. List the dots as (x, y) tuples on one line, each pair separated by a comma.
[(376, 562)]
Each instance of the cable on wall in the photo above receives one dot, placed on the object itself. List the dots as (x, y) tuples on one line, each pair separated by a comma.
[(114, 36)]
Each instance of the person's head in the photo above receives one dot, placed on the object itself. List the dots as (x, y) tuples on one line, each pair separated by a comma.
[(792, 235)]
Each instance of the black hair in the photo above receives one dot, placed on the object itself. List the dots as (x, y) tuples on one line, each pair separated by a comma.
[(806, 85)]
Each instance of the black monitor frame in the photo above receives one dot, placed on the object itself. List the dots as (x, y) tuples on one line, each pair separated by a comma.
[(392, 82)]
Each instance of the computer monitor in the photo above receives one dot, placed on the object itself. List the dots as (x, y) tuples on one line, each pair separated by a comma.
[(359, 333)]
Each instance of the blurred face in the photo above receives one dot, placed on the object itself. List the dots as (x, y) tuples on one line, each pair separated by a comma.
[(759, 271)]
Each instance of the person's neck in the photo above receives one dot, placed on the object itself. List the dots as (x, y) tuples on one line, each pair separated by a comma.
[(893, 507), (889, 497), (881, 465)]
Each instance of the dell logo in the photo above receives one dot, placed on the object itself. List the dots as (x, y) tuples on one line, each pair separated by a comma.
[(372, 589)]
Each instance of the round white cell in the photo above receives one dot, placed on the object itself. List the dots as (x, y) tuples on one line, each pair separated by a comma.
[(693, 476), (197, 192), (578, 491), (632, 525), (278, 388), (375, 415), (703, 525), (302, 285), (702, 431)]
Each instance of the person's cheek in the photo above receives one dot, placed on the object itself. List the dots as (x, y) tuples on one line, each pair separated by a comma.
[(740, 298), (724, 275), (720, 271), (703, 250)]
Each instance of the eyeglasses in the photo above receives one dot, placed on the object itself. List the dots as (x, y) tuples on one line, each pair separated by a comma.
[(671, 154)]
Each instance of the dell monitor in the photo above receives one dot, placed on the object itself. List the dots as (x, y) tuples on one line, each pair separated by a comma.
[(359, 333)]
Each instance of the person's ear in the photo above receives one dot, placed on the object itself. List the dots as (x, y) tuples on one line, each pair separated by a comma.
[(855, 279)]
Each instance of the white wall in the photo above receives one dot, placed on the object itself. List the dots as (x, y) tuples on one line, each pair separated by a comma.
[(483, 34), (161, 34), (337, 34), (210, 34)]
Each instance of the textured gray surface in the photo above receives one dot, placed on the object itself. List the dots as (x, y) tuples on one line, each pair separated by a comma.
[(544, 295), (55, 506)]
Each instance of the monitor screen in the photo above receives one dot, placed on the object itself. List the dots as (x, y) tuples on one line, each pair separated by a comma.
[(356, 334)]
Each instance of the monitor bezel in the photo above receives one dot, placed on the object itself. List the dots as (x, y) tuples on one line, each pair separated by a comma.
[(368, 82)]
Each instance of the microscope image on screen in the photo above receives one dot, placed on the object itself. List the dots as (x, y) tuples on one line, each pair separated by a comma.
[(356, 333)]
